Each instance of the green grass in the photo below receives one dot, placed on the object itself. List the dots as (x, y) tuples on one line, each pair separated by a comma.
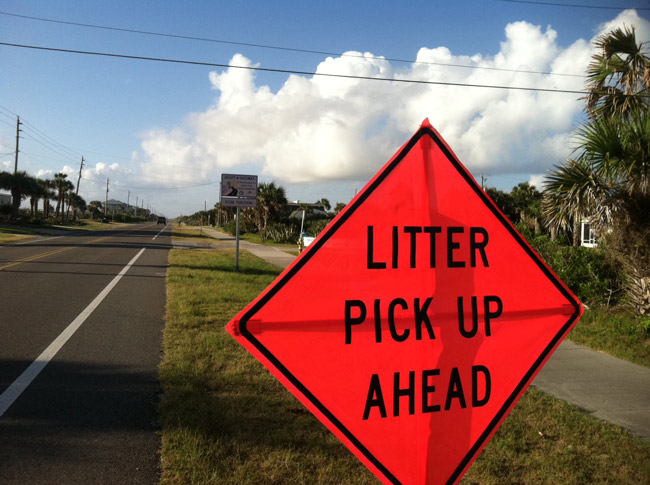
[(545, 440), (6, 238), (190, 233), (614, 331), (92, 225), (257, 239), (226, 420), (14, 234)]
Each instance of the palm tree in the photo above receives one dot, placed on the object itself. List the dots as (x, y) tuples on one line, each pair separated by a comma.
[(19, 184), (572, 194), (62, 185), (339, 207), (76, 202), (609, 179), (95, 207), (48, 194), (325, 203), (271, 201), (37, 191), (608, 182), (618, 76)]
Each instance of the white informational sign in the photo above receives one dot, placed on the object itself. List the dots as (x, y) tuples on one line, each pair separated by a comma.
[(238, 190), (306, 241)]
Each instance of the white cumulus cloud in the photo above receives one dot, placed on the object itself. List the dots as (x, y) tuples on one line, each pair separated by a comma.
[(321, 128)]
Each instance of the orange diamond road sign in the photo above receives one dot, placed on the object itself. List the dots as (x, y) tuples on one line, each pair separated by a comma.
[(414, 321)]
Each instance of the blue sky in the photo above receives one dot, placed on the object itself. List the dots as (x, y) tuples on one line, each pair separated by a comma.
[(164, 132)]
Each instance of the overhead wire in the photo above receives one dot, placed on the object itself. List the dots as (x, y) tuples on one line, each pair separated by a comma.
[(50, 147), (290, 71), (573, 5), (33, 130), (281, 48)]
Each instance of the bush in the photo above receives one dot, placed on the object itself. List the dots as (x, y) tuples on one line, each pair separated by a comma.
[(316, 227), (245, 227), (590, 274), (230, 227), (281, 233)]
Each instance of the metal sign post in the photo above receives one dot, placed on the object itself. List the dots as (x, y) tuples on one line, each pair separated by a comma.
[(237, 244), (238, 191)]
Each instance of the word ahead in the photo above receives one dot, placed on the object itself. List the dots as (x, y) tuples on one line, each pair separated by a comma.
[(426, 390)]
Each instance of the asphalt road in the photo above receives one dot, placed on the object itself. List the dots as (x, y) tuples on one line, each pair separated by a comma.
[(79, 353)]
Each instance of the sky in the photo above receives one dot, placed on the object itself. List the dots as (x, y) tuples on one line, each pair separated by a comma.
[(163, 132)]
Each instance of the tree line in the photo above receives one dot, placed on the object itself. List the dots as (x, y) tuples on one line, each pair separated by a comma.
[(274, 218), (22, 186), (42, 192)]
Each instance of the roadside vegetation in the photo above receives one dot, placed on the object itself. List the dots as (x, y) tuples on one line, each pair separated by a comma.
[(225, 419), (70, 206), (10, 234), (191, 233), (23, 231)]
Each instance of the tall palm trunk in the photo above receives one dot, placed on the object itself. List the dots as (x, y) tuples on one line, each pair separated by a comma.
[(15, 204), (577, 223)]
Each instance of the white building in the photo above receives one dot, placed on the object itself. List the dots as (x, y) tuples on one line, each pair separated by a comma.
[(588, 235)]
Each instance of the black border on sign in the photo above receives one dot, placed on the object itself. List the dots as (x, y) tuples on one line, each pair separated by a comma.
[(423, 131)]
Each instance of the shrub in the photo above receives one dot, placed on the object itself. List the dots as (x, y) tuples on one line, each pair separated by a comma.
[(589, 272), (245, 227), (316, 227), (281, 233)]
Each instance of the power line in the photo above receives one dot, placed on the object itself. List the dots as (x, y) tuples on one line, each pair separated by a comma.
[(72, 151), (169, 188), (290, 71), (51, 148), (573, 5), (290, 49), (51, 141), (7, 123)]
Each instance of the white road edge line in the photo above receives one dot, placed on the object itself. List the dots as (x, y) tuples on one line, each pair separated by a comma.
[(154, 238), (9, 396)]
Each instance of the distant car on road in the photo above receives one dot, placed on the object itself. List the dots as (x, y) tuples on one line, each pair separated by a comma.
[(161, 220)]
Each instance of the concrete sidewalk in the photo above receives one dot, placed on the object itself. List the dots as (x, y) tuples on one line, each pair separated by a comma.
[(606, 387), (269, 253)]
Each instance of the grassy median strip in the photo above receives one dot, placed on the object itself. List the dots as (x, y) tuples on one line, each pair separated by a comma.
[(226, 420)]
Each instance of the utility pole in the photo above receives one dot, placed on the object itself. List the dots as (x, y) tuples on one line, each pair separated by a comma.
[(79, 178), (18, 130), (135, 213), (128, 198), (106, 203)]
